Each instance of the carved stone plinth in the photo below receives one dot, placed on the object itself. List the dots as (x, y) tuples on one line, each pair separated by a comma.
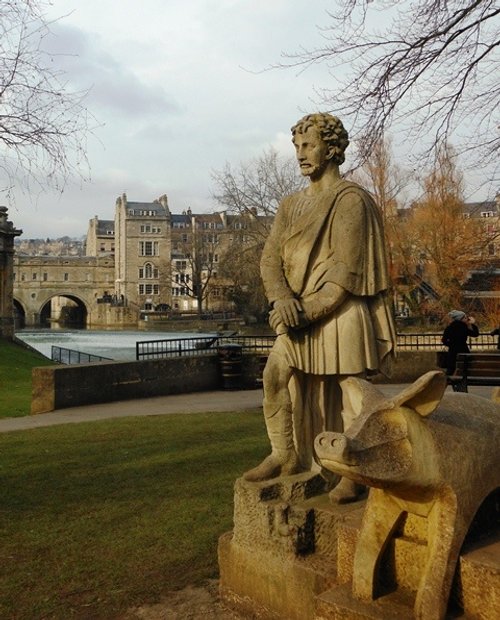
[(283, 550)]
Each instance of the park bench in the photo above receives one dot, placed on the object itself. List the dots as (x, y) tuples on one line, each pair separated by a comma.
[(475, 369)]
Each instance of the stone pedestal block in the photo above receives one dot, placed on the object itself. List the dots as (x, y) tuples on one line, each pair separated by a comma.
[(282, 551)]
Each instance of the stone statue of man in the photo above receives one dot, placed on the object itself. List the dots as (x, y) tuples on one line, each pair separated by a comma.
[(325, 274)]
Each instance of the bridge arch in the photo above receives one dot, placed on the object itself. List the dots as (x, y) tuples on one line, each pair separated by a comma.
[(63, 308), (19, 314), (32, 309)]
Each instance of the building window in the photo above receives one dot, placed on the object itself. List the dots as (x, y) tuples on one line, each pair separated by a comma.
[(180, 265), (149, 289), (66, 277), (45, 276), (22, 277), (487, 214), (149, 271), (148, 248), (34, 276), (145, 228)]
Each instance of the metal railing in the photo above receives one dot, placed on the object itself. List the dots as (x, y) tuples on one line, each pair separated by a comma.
[(432, 341), (70, 356), (203, 345), (208, 345)]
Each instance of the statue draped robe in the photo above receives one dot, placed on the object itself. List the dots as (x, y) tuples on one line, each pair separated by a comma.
[(335, 236)]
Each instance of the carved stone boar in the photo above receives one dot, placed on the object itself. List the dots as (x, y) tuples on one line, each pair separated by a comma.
[(434, 455)]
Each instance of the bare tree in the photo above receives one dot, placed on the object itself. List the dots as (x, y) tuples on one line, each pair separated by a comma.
[(257, 187), (195, 265), (432, 64), (252, 194), (43, 124), (387, 181), (240, 266)]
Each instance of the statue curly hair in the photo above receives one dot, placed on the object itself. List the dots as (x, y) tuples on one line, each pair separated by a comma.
[(331, 131)]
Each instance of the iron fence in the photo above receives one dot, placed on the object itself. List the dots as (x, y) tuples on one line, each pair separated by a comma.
[(432, 342), (208, 345), (203, 345), (70, 356)]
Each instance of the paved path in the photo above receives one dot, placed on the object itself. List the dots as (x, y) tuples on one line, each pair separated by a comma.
[(163, 405)]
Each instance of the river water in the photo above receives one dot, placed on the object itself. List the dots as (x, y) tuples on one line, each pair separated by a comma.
[(116, 345)]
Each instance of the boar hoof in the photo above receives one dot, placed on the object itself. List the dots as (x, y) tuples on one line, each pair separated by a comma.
[(274, 465), (346, 492)]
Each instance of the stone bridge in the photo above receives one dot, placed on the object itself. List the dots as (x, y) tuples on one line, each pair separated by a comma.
[(41, 281)]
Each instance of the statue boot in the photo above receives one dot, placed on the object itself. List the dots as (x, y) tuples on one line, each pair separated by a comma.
[(283, 460)]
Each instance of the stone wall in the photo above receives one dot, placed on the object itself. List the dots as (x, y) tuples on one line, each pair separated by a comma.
[(408, 366), (57, 387)]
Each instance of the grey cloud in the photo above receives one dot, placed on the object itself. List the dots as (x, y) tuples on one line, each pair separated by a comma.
[(111, 84)]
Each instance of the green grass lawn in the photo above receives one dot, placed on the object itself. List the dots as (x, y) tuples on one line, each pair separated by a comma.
[(16, 363), (98, 517)]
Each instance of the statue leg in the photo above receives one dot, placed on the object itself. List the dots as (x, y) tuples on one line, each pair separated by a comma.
[(283, 460), (346, 490)]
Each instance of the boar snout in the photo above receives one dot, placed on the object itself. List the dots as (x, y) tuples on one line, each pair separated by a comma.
[(335, 447)]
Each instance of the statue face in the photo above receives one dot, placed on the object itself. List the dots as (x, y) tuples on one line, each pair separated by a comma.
[(311, 152)]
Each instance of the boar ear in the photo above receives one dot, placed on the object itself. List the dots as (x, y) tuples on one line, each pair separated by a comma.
[(425, 394), (360, 395)]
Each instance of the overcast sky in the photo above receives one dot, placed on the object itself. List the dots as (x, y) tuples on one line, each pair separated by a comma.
[(178, 89)]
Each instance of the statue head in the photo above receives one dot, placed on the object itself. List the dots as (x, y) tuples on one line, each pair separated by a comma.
[(330, 129)]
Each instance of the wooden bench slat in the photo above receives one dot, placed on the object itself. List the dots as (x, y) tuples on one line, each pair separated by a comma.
[(476, 369), (481, 372)]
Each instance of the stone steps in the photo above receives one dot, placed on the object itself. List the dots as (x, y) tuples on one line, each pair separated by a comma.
[(476, 588)]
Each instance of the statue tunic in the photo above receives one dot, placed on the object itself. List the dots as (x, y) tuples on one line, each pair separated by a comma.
[(334, 236)]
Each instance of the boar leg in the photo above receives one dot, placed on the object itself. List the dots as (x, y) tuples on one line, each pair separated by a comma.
[(380, 519), (446, 532)]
